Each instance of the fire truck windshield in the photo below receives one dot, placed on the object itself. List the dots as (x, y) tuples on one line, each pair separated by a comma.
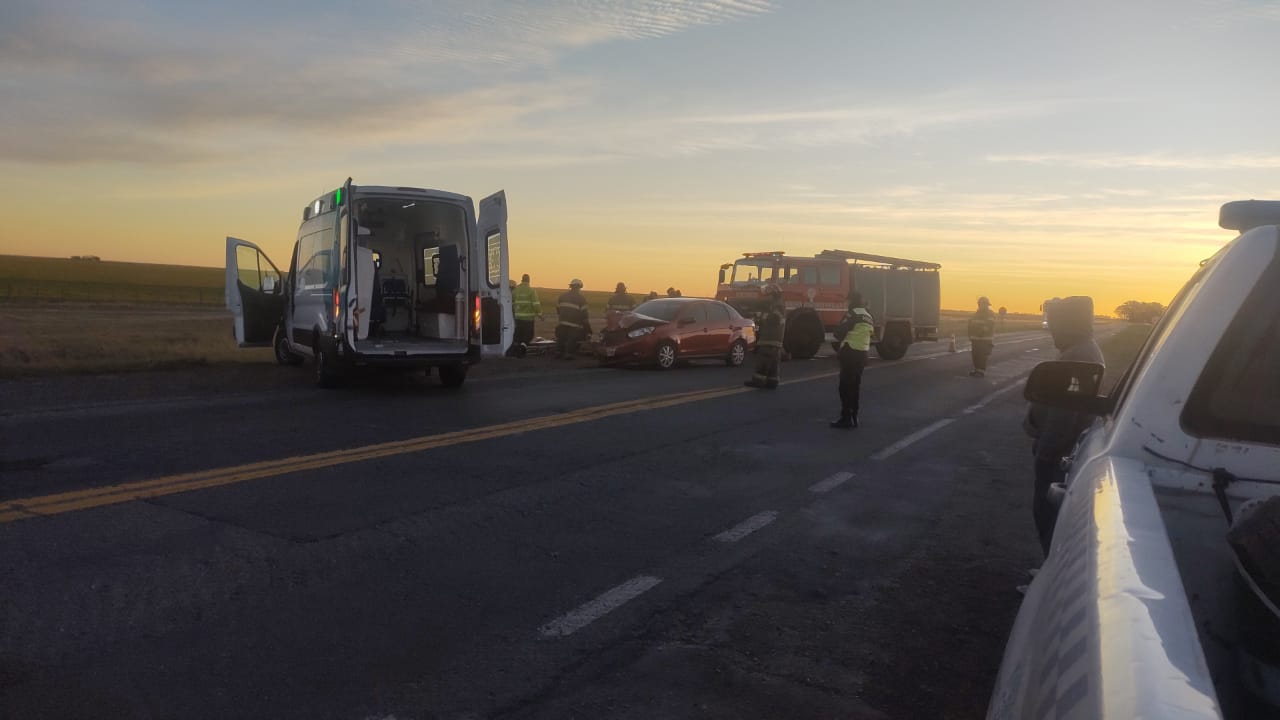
[(752, 271)]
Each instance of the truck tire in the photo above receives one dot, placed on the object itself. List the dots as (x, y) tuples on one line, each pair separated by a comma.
[(894, 344), (804, 335)]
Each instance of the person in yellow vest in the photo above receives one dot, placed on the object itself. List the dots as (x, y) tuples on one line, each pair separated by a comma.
[(574, 324), (855, 330), (773, 324), (982, 336), (526, 308), (620, 301)]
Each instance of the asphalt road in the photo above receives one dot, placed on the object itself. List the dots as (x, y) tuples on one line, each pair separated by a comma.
[(564, 543)]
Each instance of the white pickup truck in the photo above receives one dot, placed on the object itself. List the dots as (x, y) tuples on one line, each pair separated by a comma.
[(1159, 596)]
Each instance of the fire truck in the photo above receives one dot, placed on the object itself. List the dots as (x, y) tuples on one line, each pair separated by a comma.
[(903, 296)]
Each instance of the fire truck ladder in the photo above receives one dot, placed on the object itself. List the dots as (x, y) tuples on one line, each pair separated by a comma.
[(881, 259)]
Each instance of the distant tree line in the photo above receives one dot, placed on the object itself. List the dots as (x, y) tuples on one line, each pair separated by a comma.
[(1140, 312)]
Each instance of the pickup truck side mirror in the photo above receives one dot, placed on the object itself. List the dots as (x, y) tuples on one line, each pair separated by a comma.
[(721, 276), (1068, 385)]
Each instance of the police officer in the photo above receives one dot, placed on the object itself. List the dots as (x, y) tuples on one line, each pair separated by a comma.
[(526, 308), (1055, 431), (574, 323), (855, 329), (982, 336), (620, 301), (773, 324)]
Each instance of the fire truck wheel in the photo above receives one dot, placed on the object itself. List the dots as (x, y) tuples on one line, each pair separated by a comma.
[(804, 336), (892, 347)]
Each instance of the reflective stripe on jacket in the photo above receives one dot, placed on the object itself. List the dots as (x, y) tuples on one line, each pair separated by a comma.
[(524, 303), (982, 326), (621, 302), (571, 309), (859, 336), (773, 326)]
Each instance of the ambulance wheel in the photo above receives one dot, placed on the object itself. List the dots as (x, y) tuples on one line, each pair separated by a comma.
[(285, 354), (325, 370), (452, 376)]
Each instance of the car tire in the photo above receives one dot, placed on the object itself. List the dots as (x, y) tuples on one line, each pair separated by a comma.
[(322, 363), (666, 356), (285, 354), (452, 376), (737, 354)]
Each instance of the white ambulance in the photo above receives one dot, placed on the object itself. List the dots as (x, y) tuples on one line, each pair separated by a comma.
[(380, 276)]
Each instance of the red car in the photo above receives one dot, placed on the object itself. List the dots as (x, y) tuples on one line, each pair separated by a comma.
[(668, 330)]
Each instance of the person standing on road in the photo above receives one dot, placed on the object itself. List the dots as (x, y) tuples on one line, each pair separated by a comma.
[(574, 323), (620, 301), (1055, 431), (526, 308), (773, 325), (855, 331), (982, 336)]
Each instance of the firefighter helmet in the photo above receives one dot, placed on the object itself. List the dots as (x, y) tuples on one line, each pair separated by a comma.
[(575, 283)]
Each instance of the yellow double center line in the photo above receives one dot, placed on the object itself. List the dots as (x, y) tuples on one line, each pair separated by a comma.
[(13, 510)]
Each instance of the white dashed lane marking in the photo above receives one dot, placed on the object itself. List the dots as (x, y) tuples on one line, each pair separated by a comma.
[(611, 600), (912, 438), (831, 483), (746, 527)]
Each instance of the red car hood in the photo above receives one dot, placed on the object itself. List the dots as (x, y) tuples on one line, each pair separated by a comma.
[(629, 320)]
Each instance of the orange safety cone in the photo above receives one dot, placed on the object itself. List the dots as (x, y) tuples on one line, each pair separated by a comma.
[(951, 347)]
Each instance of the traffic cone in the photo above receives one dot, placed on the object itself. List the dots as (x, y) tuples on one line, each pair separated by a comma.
[(951, 347)]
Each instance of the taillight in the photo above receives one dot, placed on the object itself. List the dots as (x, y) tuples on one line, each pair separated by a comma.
[(337, 307), (475, 317)]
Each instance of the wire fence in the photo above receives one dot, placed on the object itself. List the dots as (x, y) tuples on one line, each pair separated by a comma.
[(54, 291)]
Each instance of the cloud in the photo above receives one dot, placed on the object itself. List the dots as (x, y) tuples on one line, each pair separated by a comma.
[(1235, 161), (178, 85)]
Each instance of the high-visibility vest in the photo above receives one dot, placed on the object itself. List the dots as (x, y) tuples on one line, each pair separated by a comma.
[(859, 336), (524, 302)]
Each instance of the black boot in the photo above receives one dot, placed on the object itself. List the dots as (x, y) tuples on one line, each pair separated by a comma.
[(846, 422)]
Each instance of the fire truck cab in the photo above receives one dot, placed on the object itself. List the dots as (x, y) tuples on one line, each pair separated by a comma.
[(903, 296)]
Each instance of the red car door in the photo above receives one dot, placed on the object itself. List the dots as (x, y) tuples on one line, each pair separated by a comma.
[(719, 329), (691, 327)]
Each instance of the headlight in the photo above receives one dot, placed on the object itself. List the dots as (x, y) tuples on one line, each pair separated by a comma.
[(640, 332)]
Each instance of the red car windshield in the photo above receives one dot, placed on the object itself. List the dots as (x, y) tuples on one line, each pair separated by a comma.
[(661, 309)]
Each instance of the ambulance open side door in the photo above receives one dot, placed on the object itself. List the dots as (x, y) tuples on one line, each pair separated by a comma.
[(497, 323), (254, 293)]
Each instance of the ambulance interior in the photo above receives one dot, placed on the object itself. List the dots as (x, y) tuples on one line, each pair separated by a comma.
[(409, 259)]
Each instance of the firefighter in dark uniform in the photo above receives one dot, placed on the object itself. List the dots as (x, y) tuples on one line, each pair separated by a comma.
[(574, 324), (982, 336), (620, 301), (773, 325)]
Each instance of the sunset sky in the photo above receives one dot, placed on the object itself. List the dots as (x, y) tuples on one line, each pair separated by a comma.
[(1034, 149)]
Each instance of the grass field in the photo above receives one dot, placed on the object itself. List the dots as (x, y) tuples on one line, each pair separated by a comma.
[(59, 315), (56, 338)]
